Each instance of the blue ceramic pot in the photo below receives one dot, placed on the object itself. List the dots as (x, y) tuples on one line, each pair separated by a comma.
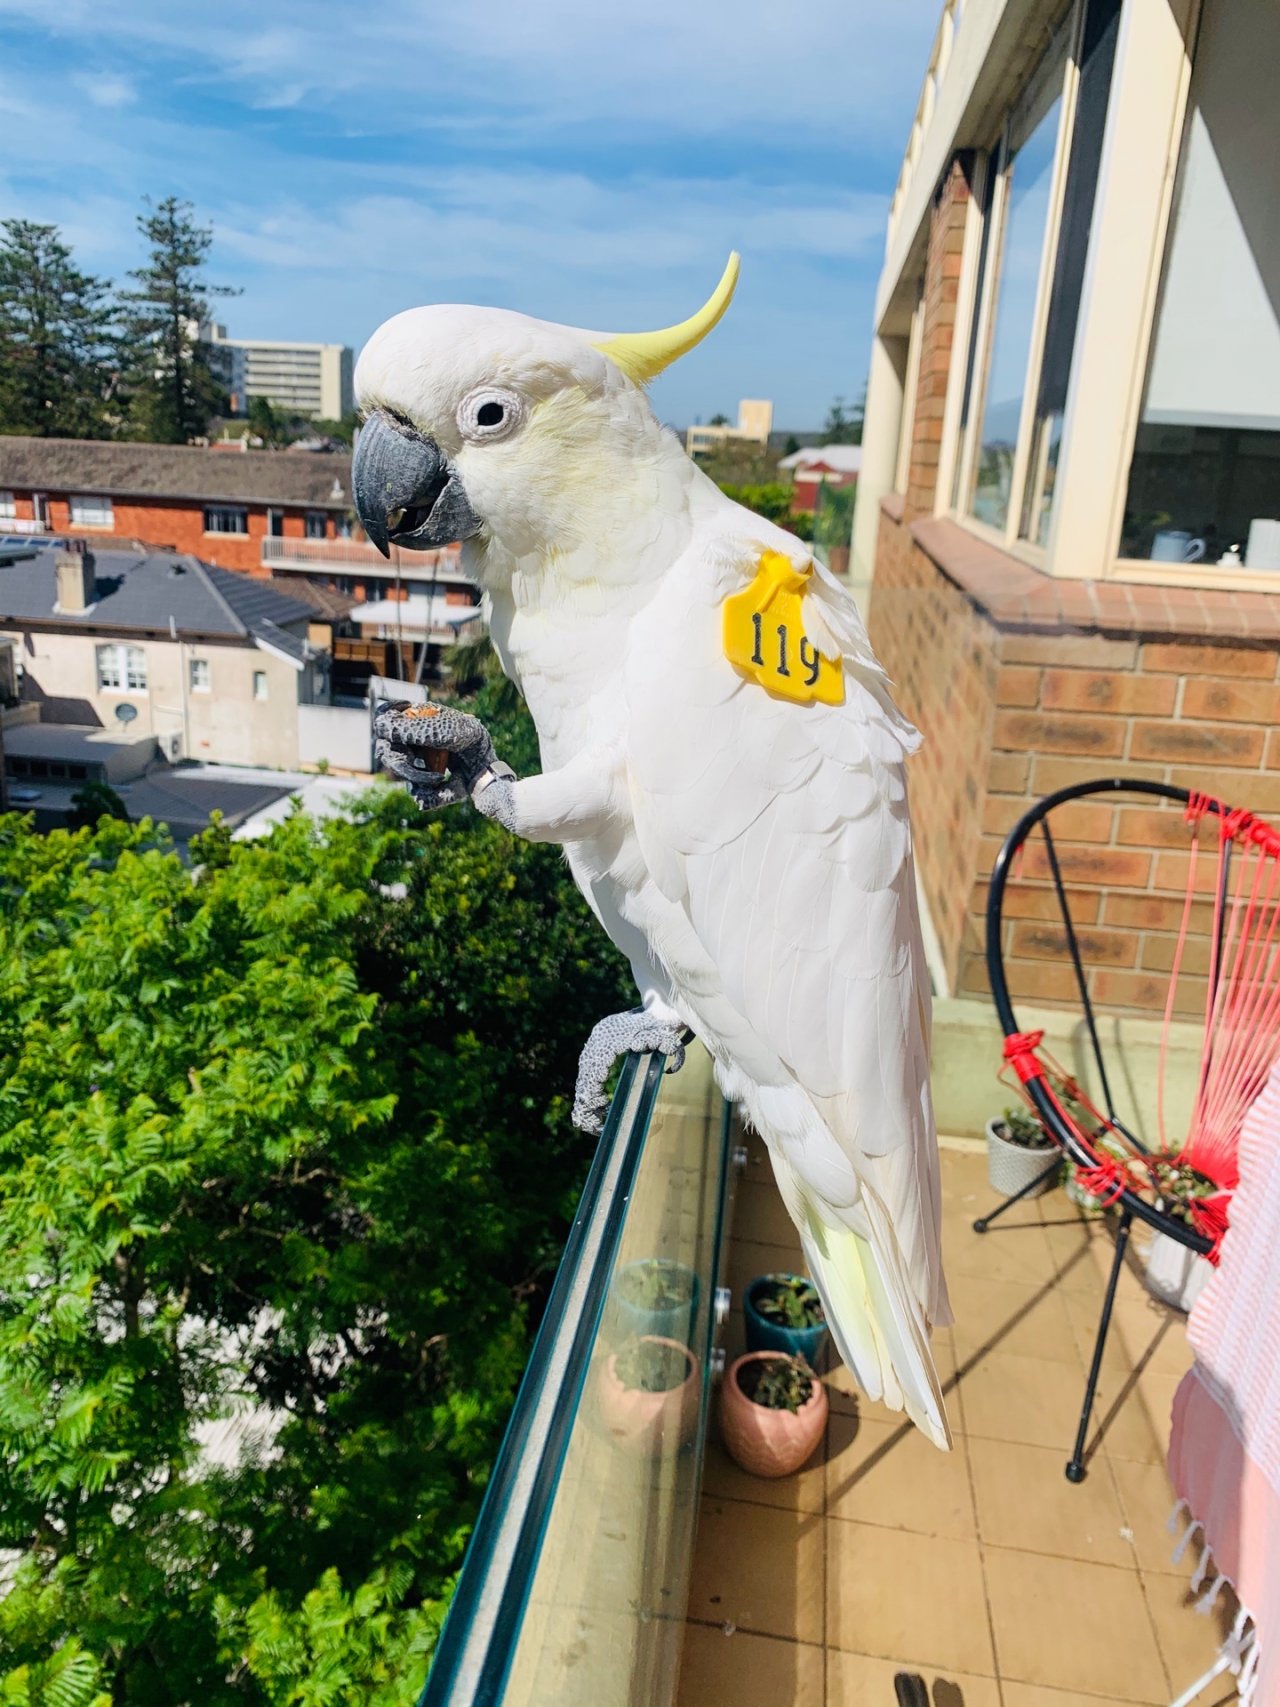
[(764, 1335), (671, 1321)]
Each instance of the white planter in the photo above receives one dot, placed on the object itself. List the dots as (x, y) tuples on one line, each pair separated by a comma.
[(1174, 1274), (1011, 1166)]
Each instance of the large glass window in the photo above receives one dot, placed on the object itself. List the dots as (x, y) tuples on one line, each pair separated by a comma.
[(1028, 182), (1096, 59), (1205, 479)]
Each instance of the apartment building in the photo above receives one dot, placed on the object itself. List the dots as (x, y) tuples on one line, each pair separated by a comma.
[(1068, 528), (754, 424), (300, 379), (219, 505)]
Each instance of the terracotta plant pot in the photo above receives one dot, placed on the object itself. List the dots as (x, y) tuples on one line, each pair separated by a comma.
[(1010, 1166), (648, 1424), (763, 1441)]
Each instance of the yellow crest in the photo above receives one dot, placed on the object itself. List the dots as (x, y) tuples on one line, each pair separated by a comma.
[(643, 355), (764, 636)]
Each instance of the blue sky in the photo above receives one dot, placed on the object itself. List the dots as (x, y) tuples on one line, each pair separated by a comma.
[(580, 160)]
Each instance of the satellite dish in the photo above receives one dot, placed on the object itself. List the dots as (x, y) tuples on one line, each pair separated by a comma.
[(125, 713)]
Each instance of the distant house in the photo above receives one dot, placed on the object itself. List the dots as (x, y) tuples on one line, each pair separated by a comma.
[(282, 515), (821, 465), (194, 661), (218, 505)]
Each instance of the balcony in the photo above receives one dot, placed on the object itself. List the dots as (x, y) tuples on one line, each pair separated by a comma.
[(601, 1578), (356, 557)]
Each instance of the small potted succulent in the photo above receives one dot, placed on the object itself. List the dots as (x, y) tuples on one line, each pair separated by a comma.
[(773, 1410), (1174, 1273), (656, 1296), (783, 1312), (1018, 1148), (648, 1394)]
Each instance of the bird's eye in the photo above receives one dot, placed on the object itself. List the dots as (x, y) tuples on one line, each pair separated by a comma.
[(490, 414)]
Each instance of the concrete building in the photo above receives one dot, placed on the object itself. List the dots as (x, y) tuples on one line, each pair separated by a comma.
[(755, 423), (1066, 535), (301, 379), (192, 661)]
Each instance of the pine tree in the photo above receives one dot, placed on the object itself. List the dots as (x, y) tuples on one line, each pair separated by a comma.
[(176, 383), (56, 370)]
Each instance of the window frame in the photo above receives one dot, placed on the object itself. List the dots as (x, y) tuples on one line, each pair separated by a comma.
[(240, 510), (260, 679), (130, 667), (8, 507), (201, 664), (310, 520), (1001, 154), (1141, 571), (96, 500)]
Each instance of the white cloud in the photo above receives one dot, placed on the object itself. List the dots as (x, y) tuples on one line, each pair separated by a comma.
[(106, 88)]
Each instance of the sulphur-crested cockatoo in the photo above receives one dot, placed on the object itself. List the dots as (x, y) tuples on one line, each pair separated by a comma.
[(721, 760)]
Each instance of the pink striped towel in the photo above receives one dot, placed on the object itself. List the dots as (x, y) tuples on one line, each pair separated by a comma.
[(1224, 1454)]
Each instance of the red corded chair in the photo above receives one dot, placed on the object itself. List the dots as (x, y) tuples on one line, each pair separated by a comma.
[(1235, 859)]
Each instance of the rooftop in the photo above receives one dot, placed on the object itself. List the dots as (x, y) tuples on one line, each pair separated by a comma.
[(150, 592), (842, 459), (197, 473)]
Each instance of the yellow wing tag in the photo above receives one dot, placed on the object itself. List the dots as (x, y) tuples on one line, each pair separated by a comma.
[(764, 635)]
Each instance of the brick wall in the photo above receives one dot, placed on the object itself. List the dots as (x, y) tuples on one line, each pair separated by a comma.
[(1011, 712), (180, 524), (942, 284)]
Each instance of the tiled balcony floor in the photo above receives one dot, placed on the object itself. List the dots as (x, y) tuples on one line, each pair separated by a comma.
[(984, 1570)]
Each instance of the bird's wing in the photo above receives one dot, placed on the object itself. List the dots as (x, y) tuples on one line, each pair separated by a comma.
[(780, 831)]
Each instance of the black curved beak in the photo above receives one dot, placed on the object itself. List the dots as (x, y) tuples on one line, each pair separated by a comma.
[(406, 490)]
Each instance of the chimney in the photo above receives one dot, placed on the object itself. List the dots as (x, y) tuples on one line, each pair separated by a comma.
[(73, 568)]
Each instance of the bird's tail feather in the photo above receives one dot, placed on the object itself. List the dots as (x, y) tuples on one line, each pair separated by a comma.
[(875, 1321)]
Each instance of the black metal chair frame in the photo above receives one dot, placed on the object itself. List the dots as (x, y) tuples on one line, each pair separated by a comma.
[(1131, 1206)]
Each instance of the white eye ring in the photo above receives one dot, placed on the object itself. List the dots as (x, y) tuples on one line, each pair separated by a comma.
[(490, 413)]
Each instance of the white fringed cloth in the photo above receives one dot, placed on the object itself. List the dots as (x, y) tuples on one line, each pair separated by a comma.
[(1224, 1454)]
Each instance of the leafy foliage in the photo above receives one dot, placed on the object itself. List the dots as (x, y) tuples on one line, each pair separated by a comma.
[(843, 426), (285, 1163), (771, 499), (175, 384), (791, 1301), (777, 1383), (55, 337)]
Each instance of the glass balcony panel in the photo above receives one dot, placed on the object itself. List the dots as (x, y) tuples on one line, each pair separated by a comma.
[(575, 1584)]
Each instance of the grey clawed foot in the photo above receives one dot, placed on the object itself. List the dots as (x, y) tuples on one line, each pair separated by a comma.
[(636, 1032), (410, 739)]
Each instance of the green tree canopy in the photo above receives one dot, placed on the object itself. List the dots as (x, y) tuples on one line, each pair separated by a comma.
[(285, 1164), (843, 426), (176, 383), (56, 367)]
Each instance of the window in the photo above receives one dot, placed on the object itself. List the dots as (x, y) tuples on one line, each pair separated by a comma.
[(122, 669), (1036, 221), (1097, 57), (91, 513), (259, 684), (8, 507), (199, 675), (225, 518), (275, 523), (315, 524), (1030, 150), (1204, 483)]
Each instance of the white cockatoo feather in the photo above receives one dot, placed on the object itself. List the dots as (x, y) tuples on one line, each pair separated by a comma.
[(750, 855)]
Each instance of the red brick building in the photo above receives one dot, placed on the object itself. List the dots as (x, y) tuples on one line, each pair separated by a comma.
[(218, 505), (1065, 538)]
